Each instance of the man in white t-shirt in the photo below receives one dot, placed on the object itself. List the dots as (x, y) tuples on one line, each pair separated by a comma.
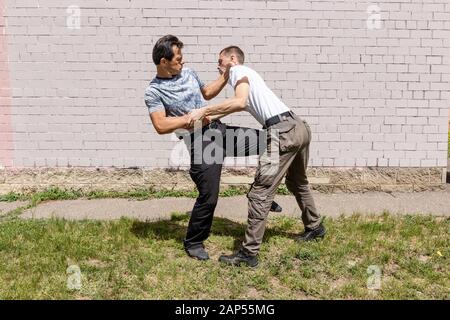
[(288, 138)]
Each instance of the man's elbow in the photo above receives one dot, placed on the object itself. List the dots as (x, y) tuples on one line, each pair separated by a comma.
[(160, 130), (241, 103), (207, 95)]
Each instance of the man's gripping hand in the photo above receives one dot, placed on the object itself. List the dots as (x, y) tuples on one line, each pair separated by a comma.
[(196, 115)]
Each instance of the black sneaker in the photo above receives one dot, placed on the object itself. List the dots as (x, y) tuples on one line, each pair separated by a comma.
[(238, 258), (310, 235), (275, 207), (197, 253)]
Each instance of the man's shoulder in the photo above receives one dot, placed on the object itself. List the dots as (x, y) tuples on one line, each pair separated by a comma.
[(187, 72), (152, 88), (154, 84), (238, 72), (241, 70), (151, 85), (237, 67)]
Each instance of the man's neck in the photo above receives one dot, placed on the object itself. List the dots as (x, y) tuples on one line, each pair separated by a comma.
[(161, 73)]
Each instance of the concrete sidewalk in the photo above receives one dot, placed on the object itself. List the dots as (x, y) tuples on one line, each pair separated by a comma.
[(235, 208), (6, 207)]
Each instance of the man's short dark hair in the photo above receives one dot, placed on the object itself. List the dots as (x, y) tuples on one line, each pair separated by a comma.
[(236, 51), (164, 48)]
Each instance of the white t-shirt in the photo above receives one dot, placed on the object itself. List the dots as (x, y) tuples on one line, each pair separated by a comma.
[(262, 102)]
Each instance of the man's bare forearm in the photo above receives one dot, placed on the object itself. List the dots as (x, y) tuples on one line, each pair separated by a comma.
[(216, 117), (214, 88), (228, 106), (170, 124)]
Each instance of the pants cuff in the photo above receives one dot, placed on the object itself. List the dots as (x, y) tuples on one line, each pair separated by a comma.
[(193, 245)]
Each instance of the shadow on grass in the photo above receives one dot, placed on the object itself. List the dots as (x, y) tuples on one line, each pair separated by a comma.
[(175, 229)]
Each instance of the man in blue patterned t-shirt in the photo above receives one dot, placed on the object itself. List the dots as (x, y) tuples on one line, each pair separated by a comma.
[(170, 97), (177, 96), (176, 91)]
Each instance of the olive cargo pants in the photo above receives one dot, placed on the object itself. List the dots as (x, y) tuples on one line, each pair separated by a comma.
[(287, 153)]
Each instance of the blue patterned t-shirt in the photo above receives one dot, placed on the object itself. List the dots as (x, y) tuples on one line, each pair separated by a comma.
[(177, 95)]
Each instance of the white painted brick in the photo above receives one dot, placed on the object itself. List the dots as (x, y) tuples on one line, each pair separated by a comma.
[(442, 146), (405, 163), (327, 162), (428, 163), (414, 162), (383, 146), (442, 162), (395, 120), (405, 146), (417, 137), (417, 120), (394, 162), (378, 137), (372, 85), (382, 162), (436, 155), (437, 137)]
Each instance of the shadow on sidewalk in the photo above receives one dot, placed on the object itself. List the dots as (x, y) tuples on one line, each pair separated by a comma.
[(175, 228)]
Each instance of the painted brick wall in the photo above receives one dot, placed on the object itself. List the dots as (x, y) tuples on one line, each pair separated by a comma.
[(375, 95)]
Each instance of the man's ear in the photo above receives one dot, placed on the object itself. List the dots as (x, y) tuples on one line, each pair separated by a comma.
[(163, 61)]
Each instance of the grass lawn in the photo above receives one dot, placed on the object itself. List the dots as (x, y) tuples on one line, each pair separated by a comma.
[(128, 259)]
